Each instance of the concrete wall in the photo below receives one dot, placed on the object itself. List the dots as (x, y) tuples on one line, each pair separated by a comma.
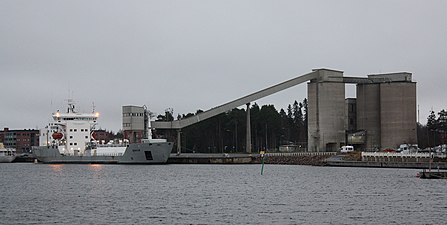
[(368, 113), (312, 123), (398, 114), (133, 118), (326, 99), (391, 77), (351, 114)]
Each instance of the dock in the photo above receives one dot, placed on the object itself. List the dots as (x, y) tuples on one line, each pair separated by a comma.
[(433, 175), (293, 158)]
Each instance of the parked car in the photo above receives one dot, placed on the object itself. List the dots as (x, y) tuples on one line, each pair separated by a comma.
[(390, 150), (346, 149)]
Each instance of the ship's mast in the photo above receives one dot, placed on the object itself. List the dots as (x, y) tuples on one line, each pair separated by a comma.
[(71, 106)]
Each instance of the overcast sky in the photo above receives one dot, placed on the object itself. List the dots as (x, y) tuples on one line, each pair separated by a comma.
[(190, 55)]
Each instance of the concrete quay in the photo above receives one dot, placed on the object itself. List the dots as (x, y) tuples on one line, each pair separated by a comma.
[(204, 158), (297, 158)]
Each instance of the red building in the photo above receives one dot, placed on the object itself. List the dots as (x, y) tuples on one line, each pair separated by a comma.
[(103, 136), (21, 140)]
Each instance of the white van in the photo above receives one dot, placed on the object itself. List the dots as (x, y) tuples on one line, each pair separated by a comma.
[(346, 149)]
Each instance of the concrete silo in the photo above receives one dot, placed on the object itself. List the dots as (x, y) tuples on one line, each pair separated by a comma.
[(326, 100), (386, 110)]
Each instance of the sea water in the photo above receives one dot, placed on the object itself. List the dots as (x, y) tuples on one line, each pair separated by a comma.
[(217, 194)]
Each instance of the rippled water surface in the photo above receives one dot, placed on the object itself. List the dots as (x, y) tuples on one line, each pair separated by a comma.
[(217, 194)]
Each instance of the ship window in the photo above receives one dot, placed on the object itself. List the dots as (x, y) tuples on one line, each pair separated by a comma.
[(71, 137), (71, 143), (75, 130), (71, 130), (75, 143), (148, 155), (86, 137)]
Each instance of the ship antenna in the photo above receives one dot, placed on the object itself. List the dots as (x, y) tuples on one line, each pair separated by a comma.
[(93, 106)]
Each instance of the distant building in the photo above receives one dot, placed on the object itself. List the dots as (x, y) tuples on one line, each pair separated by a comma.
[(383, 115), (102, 136), (21, 140), (135, 123), (386, 109)]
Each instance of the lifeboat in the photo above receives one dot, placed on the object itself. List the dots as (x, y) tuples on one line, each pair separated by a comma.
[(94, 136), (57, 136)]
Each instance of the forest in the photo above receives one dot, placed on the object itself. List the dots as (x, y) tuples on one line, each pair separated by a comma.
[(434, 133), (226, 132)]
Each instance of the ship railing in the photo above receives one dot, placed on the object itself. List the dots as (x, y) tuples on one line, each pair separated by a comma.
[(111, 145), (111, 154)]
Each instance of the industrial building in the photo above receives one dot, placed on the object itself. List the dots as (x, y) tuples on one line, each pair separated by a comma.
[(383, 114), (135, 123), (386, 110), (326, 99)]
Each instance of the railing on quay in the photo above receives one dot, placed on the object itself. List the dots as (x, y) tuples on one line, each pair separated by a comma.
[(400, 157), (286, 154), (397, 154)]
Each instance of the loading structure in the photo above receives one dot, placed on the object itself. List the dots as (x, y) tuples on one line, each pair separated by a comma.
[(326, 108)]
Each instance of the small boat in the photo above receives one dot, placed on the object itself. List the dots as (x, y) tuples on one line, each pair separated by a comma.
[(432, 175), (7, 155)]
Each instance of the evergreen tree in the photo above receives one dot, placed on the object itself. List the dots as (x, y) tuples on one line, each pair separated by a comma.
[(432, 126), (442, 125), (441, 122), (432, 123), (289, 112), (306, 119)]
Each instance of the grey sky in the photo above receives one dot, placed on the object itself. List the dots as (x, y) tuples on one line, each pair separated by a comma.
[(190, 55)]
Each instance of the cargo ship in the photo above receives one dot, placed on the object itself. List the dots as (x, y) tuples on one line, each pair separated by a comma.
[(69, 138)]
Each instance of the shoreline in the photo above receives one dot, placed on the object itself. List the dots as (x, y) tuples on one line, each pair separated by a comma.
[(302, 158)]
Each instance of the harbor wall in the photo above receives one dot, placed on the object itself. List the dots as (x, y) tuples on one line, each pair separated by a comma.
[(403, 165)]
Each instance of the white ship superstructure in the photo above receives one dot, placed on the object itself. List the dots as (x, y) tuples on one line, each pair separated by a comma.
[(70, 131)]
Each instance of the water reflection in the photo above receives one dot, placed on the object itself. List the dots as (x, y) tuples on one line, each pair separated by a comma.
[(95, 167), (56, 167)]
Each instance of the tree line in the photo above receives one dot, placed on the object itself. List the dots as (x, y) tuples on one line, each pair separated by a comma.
[(270, 129), (226, 132), (434, 133)]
